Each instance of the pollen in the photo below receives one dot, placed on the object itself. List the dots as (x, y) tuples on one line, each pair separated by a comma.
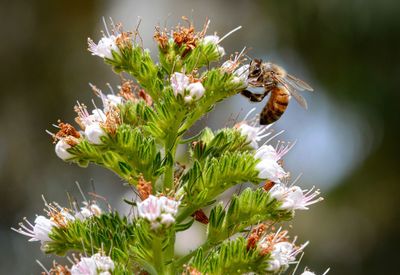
[(126, 91), (144, 188), (113, 120), (255, 236), (58, 269), (67, 132)]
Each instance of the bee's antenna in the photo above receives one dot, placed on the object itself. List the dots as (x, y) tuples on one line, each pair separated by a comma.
[(246, 55)]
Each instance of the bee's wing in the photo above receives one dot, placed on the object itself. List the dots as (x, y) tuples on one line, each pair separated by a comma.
[(293, 91), (299, 98), (298, 84)]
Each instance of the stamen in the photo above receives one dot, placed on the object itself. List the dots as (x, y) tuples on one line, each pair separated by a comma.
[(105, 26), (42, 266), (229, 33), (274, 136)]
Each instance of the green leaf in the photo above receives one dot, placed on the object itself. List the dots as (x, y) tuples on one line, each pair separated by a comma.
[(108, 232), (232, 257), (249, 208)]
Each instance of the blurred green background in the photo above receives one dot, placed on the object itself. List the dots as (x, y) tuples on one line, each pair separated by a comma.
[(347, 142)]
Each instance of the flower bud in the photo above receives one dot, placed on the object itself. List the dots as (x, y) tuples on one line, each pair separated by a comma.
[(214, 40), (61, 149), (196, 90)]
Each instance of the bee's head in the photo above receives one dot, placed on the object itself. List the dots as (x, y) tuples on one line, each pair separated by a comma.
[(255, 68)]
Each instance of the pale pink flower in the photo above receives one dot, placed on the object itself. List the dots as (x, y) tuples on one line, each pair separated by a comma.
[(179, 83), (158, 210), (95, 265)]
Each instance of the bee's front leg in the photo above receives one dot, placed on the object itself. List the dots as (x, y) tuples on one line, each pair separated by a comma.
[(252, 96)]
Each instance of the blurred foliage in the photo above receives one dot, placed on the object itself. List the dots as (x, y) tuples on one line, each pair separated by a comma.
[(352, 48)]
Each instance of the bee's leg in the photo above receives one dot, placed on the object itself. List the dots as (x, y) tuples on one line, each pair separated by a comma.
[(252, 96)]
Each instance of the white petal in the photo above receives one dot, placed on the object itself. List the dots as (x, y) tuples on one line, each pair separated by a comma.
[(61, 150), (94, 132)]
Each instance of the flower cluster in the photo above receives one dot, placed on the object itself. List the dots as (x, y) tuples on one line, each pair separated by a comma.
[(57, 217), (158, 211), (97, 264), (136, 134)]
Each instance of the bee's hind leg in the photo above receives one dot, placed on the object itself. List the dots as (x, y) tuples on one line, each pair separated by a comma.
[(252, 96)]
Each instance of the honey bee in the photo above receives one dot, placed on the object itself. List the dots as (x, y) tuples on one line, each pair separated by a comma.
[(275, 80)]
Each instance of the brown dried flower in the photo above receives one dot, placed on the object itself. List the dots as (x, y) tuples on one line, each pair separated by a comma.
[(144, 188)]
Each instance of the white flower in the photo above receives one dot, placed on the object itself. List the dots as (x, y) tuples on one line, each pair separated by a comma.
[(38, 232), (196, 90), (94, 132), (104, 47), (169, 206), (150, 208), (158, 210), (268, 167), (61, 149), (253, 134), (214, 40), (294, 197), (181, 85), (281, 252), (241, 75), (282, 255), (179, 82), (110, 101), (88, 210), (96, 116), (95, 265)]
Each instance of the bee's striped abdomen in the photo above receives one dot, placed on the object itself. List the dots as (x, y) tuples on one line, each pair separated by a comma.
[(276, 105)]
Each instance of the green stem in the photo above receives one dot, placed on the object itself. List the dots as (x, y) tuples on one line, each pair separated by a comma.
[(158, 255), (186, 212), (170, 147)]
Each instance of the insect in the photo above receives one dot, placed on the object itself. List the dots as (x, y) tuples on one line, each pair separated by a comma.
[(275, 80)]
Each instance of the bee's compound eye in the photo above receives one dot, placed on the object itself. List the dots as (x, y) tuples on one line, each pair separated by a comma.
[(256, 72)]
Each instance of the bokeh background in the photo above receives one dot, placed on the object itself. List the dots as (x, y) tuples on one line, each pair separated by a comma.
[(347, 142)]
